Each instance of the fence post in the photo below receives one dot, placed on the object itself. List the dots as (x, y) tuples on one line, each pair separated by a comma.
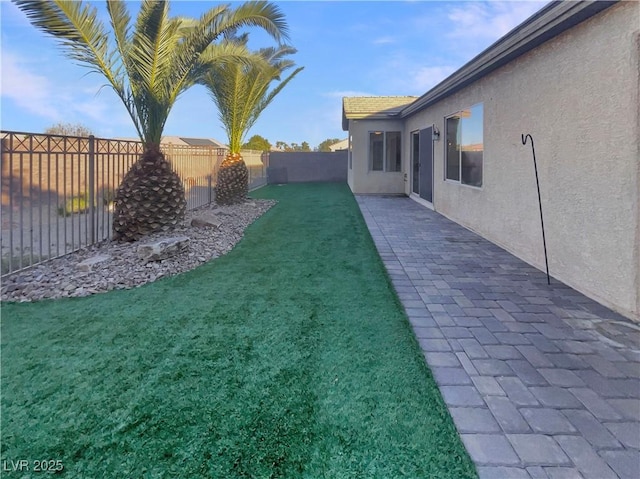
[(92, 189), (210, 175)]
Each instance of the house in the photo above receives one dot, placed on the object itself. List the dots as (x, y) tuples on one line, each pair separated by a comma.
[(569, 77), (184, 141), (181, 141), (341, 145), (194, 147)]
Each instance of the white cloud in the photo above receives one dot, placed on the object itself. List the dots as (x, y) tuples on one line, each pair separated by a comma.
[(77, 102), (100, 104), (407, 74), (93, 108), (386, 40), (12, 14), (489, 20), (343, 93), (425, 78), (28, 90)]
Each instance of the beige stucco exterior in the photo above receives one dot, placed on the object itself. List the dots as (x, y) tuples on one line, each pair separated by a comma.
[(578, 96), (359, 176)]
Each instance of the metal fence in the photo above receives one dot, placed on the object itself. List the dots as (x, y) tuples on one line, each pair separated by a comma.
[(58, 191)]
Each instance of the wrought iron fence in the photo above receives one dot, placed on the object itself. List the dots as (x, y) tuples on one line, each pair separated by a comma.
[(58, 191)]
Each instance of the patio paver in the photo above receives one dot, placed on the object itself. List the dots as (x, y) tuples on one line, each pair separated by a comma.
[(536, 377)]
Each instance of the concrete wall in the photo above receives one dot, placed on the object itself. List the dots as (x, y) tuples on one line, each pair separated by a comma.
[(577, 95), (304, 167), (360, 177)]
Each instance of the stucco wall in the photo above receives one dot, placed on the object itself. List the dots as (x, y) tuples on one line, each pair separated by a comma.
[(360, 178), (304, 167), (577, 95)]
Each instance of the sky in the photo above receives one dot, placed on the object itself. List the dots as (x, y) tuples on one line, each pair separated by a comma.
[(355, 48)]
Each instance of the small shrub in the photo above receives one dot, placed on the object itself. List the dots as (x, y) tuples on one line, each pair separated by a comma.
[(75, 204)]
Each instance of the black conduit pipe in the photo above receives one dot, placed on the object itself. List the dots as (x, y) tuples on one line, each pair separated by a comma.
[(535, 167)]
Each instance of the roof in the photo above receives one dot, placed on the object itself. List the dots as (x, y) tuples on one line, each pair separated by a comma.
[(372, 107), (340, 145), (181, 140), (198, 141)]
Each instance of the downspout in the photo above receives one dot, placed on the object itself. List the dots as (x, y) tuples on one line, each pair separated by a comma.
[(636, 255)]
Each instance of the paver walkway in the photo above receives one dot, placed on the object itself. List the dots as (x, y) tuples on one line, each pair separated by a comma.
[(541, 381)]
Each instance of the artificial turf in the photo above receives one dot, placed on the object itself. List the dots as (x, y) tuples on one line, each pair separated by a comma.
[(289, 357)]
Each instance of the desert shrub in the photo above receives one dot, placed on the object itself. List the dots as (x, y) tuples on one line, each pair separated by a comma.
[(75, 204)]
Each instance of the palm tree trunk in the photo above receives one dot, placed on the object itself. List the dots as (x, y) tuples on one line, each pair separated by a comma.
[(233, 180), (151, 198)]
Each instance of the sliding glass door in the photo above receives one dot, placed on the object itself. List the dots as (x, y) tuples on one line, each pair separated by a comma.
[(422, 163)]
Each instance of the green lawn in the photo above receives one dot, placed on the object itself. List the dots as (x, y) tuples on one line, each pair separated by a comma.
[(289, 357)]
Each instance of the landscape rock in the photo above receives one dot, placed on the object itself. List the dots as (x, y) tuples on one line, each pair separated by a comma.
[(206, 220), (87, 264), (163, 249), (124, 269)]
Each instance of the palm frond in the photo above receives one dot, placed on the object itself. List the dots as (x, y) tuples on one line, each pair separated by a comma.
[(221, 21), (151, 42), (240, 89), (265, 101), (221, 55), (228, 91), (78, 28), (121, 25), (150, 62), (263, 14)]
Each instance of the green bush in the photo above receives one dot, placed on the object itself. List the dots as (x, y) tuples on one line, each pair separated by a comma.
[(75, 204)]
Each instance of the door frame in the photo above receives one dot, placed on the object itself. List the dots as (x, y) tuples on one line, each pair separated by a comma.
[(412, 160), (416, 196)]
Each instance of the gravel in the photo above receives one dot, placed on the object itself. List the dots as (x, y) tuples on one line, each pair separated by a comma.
[(111, 265)]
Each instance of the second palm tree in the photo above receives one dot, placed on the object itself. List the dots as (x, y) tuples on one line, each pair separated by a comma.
[(240, 90)]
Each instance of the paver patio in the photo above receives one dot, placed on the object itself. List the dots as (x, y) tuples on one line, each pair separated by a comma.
[(541, 381)]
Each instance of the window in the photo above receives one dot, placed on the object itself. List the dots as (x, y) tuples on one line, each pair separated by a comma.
[(394, 160), (385, 152), (465, 146), (350, 152), (376, 150)]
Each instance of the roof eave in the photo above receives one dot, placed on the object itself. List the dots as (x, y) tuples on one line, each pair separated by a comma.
[(388, 107), (549, 22), (373, 116), (345, 121)]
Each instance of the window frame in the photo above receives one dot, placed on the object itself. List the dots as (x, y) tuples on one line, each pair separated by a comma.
[(386, 161), (460, 141), (350, 151)]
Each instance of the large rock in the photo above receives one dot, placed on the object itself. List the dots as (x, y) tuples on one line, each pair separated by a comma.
[(206, 220), (163, 249), (87, 264)]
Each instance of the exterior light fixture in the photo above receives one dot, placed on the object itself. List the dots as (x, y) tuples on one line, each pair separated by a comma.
[(435, 136)]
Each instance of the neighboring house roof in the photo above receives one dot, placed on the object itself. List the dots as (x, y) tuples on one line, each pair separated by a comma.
[(181, 140), (372, 107), (340, 145)]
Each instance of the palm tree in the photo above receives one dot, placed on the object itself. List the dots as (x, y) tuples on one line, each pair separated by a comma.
[(148, 64), (240, 90)]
